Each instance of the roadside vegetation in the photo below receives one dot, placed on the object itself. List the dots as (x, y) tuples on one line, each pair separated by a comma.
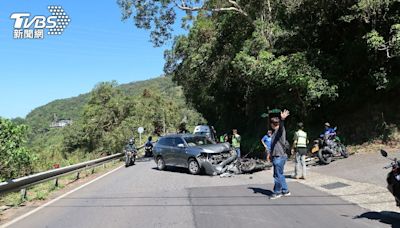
[(15, 158), (326, 61)]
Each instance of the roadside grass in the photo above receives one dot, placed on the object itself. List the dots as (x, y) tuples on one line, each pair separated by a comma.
[(374, 147), (44, 190)]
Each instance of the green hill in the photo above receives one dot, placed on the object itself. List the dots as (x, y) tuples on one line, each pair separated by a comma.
[(71, 108), (104, 118)]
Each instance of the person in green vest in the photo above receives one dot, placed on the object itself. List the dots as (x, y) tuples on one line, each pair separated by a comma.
[(222, 138), (236, 141), (300, 148)]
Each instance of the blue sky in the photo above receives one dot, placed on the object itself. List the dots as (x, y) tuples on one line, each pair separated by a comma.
[(96, 46)]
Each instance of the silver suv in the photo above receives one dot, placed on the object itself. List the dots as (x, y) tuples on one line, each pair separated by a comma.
[(189, 151)]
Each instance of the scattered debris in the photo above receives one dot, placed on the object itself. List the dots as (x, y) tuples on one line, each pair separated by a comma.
[(226, 175), (227, 164)]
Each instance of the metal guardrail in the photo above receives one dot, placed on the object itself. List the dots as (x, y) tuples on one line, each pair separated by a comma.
[(24, 182)]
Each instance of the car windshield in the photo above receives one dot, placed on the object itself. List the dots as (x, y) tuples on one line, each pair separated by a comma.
[(197, 141)]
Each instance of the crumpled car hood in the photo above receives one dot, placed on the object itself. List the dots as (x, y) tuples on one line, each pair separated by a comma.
[(214, 148)]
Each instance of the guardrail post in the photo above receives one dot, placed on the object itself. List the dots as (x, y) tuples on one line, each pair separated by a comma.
[(77, 175), (23, 194), (92, 170), (56, 182), (104, 165)]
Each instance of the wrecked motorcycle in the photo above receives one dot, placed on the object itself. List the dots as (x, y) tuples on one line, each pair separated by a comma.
[(230, 163), (393, 177)]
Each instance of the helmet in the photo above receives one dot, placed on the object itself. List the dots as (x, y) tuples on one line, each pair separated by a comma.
[(327, 124), (132, 141), (150, 138)]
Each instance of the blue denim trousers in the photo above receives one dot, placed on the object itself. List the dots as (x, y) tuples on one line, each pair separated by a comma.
[(280, 185), (238, 152)]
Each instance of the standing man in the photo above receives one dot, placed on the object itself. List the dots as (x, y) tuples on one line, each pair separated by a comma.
[(236, 141), (266, 141), (300, 148), (278, 153)]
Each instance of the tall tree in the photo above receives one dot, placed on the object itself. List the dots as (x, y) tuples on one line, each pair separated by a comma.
[(15, 159)]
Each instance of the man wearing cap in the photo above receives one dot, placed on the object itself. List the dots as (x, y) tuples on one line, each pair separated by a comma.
[(279, 156), (328, 129)]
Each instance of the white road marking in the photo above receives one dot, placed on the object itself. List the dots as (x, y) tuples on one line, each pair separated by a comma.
[(58, 198)]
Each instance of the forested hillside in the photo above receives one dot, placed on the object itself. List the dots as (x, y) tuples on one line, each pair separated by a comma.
[(103, 121), (72, 108), (335, 61)]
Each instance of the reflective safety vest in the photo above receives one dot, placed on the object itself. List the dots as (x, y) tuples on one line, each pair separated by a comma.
[(236, 141), (300, 137)]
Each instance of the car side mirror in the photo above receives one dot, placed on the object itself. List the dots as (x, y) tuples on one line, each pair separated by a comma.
[(384, 153), (181, 145)]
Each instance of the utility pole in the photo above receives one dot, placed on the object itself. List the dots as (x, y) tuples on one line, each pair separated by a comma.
[(164, 121)]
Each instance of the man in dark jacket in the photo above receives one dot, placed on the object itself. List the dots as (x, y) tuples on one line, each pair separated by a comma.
[(279, 156)]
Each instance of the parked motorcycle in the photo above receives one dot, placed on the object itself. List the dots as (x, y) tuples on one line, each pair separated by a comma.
[(148, 151), (130, 157), (393, 177), (327, 148)]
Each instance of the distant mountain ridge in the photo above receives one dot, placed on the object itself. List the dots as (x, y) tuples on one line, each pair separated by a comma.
[(41, 117)]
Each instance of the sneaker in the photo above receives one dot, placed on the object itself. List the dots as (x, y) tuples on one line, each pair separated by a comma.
[(275, 196), (286, 193), (303, 178)]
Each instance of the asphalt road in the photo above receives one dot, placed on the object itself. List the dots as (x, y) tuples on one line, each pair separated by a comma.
[(364, 167), (141, 196)]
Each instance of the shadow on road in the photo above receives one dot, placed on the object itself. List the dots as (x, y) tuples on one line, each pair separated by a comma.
[(261, 191), (144, 159), (386, 217), (174, 169)]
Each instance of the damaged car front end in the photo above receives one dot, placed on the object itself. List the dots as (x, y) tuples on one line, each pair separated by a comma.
[(199, 153), (215, 163), (227, 161)]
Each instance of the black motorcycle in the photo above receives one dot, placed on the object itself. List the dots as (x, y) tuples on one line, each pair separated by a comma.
[(327, 149), (148, 151), (130, 157), (393, 177)]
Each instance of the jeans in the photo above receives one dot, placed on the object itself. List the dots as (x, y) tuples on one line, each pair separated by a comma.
[(238, 152), (280, 185), (300, 164)]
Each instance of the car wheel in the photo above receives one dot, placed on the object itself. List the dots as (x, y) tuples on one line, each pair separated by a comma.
[(160, 163), (194, 167)]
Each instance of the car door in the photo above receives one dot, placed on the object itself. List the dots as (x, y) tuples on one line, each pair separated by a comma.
[(169, 152), (164, 148), (180, 155)]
